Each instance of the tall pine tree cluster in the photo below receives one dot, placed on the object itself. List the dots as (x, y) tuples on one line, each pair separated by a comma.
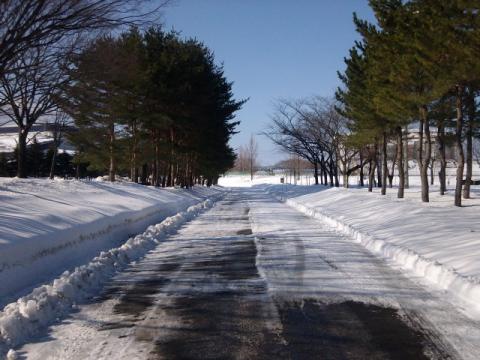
[(418, 65), (151, 106)]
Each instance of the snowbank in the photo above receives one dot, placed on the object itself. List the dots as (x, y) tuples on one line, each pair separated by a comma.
[(49, 226), (47, 303), (437, 241)]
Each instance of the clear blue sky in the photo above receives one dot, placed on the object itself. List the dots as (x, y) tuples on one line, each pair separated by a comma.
[(271, 49)]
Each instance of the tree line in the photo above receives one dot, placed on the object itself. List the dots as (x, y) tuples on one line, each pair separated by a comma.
[(417, 65), (146, 104), (314, 130)]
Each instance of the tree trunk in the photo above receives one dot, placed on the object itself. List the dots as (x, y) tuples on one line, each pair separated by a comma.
[(315, 171), (432, 177), (442, 173), (345, 172), (372, 167), (175, 174), (135, 174), (384, 164), (406, 158), (134, 167), (324, 170), (111, 170), (377, 165), (144, 174), (157, 164), (458, 141), (330, 171), (391, 173), (169, 174), (424, 159), (362, 184), (371, 174), (469, 136), (21, 153), (52, 164), (156, 181), (401, 170), (171, 179), (321, 174), (345, 179), (335, 170), (164, 177)]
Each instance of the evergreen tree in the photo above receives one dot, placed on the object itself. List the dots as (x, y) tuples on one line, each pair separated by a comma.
[(152, 102)]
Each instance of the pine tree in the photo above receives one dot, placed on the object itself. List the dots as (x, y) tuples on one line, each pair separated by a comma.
[(448, 47)]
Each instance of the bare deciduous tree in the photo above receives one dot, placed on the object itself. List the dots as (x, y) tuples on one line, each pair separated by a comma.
[(60, 123), (315, 131), (252, 155), (27, 24), (242, 163), (28, 93), (290, 133)]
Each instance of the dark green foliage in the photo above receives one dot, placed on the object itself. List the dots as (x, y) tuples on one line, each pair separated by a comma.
[(417, 65), (153, 103)]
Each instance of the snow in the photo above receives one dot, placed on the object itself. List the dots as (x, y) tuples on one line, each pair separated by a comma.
[(437, 241), (48, 226), (47, 303), (12, 355), (8, 142), (50, 231), (298, 259), (244, 180)]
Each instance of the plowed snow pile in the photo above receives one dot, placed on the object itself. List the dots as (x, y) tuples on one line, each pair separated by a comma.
[(49, 226), (436, 240)]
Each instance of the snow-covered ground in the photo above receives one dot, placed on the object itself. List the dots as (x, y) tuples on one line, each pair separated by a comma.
[(237, 179), (47, 303), (251, 259), (253, 278), (437, 241), (47, 227)]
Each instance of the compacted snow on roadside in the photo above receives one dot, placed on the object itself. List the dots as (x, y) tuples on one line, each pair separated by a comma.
[(254, 278), (437, 241), (49, 226), (28, 315)]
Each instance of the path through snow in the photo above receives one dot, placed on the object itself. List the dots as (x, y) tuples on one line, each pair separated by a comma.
[(253, 278)]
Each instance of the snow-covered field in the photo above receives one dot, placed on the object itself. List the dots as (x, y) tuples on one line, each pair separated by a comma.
[(254, 278), (62, 241), (437, 241), (236, 179), (47, 226)]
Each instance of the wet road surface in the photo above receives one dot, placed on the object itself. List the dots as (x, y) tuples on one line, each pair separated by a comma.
[(254, 279)]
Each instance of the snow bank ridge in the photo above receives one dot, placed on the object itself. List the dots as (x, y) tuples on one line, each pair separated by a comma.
[(47, 303), (464, 287)]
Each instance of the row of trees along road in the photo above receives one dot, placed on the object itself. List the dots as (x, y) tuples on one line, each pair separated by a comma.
[(416, 66), (153, 104), (147, 104)]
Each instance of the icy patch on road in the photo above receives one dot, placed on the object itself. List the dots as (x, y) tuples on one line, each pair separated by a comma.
[(48, 303)]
